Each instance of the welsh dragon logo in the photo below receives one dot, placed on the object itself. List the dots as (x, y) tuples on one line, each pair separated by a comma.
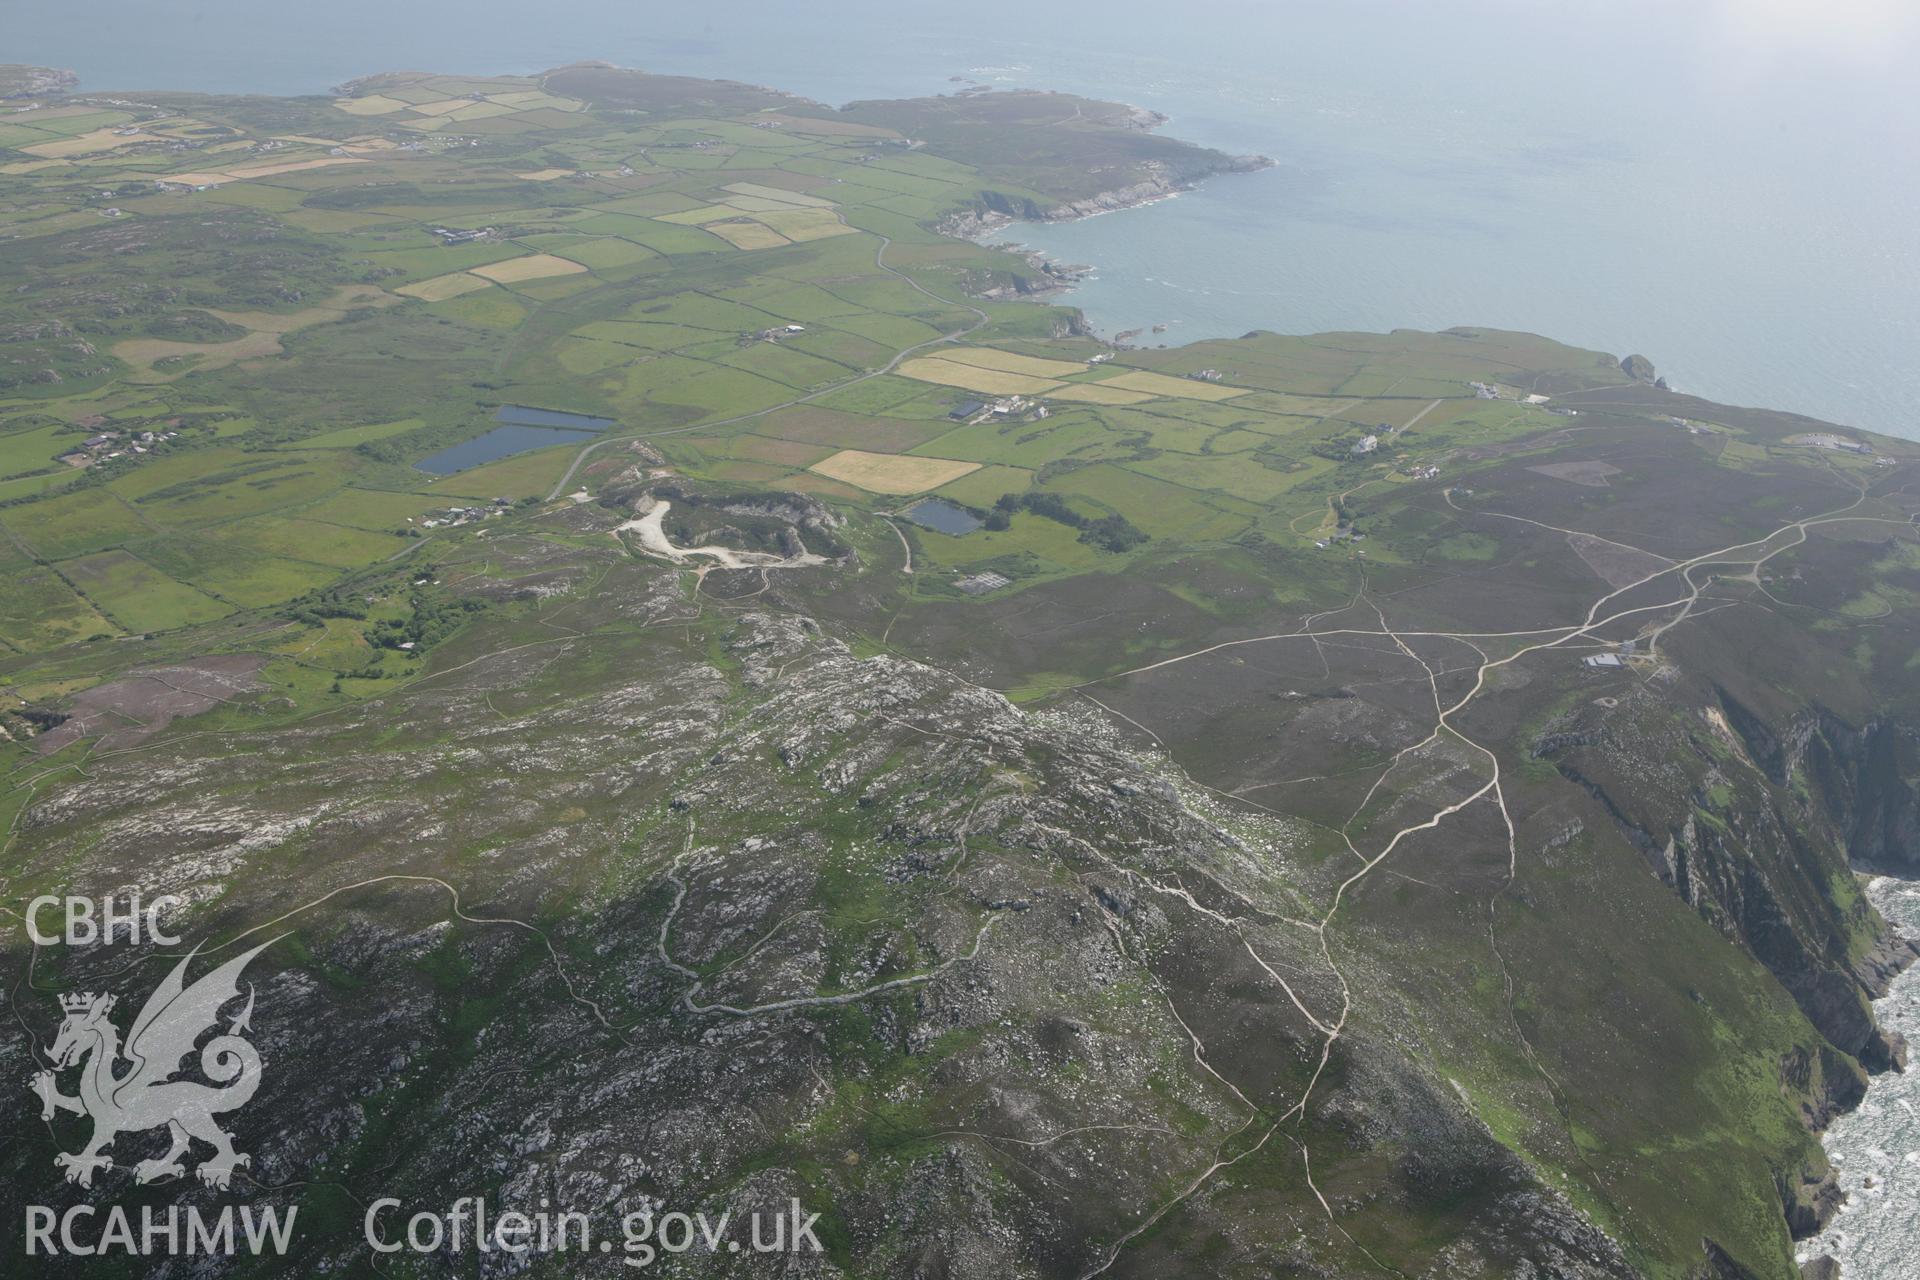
[(131, 1088)]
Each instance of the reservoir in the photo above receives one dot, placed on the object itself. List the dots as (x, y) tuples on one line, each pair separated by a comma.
[(942, 516), (528, 417), (501, 442)]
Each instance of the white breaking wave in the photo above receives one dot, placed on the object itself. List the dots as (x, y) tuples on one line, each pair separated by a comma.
[(1876, 1150)]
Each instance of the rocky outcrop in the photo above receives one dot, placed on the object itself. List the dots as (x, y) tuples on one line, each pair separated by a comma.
[(1866, 777), (847, 928), (21, 81), (992, 210), (1809, 1199), (1639, 368), (1828, 1082), (1739, 849), (1720, 1265)]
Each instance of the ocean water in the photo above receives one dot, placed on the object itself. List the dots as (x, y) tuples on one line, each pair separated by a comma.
[(1731, 187), (1876, 1150)]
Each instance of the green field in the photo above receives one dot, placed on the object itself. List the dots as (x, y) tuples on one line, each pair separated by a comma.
[(137, 595), (73, 523), (348, 437), (235, 572), (308, 540), (285, 467), (38, 610)]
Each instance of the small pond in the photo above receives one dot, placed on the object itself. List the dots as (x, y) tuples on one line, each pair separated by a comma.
[(526, 417), (942, 516), (501, 442)]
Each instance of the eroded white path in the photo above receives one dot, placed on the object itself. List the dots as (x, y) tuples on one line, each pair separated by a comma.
[(1747, 556), (653, 537)]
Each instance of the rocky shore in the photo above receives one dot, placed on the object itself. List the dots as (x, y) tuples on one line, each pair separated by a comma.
[(1868, 1227), (996, 211), (18, 80)]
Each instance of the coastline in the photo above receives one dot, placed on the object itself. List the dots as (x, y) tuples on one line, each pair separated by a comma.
[(997, 212), (1828, 1244)]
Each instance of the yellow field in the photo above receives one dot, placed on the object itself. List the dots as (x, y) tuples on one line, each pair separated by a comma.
[(822, 128), (144, 353), (748, 235), (777, 193), (698, 217), (444, 107), (327, 221), (60, 113), (534, 100), (296, 166), (372, 105), (440, 288), (1097, 393), (344, 299), (268, 328), (1309, 406), (817, 232), (484, 107), (537, 266), (479, 111), (990, 381), (1159, 384), (87, 144), (221, 178), (544, 175), (1012, 362), (805, 224), (891, 472), (758, 204)]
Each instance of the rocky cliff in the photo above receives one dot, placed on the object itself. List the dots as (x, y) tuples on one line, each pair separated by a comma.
[(983, 987)]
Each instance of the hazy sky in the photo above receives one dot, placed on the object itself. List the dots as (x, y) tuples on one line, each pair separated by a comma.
[(1875, 32), (1734, 38)]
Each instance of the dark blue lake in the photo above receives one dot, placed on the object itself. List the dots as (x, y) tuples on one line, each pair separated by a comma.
[(526, 417), (942, 516), (501, 442)]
